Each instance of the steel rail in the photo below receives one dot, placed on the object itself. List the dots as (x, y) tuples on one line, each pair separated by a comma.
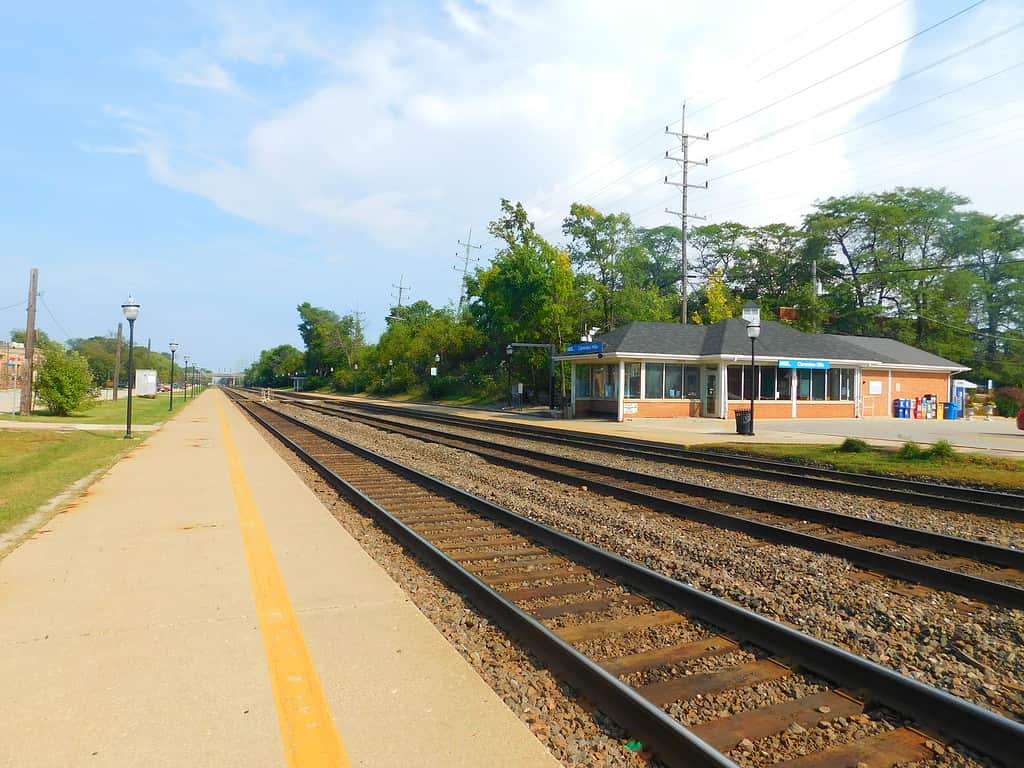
[(954, 718), (937, 495), (997, 593), (673, 743)]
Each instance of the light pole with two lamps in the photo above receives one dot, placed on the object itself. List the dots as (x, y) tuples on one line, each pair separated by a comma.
[(131, 313), (174, 348)]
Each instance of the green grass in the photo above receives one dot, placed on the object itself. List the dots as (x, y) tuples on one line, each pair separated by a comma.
[(36, 465), (923, 463), (144, 411)]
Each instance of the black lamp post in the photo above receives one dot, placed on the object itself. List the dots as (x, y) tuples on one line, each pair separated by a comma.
[(508, 352), (174, 348), (131, 313), (753, 331), (185, 382)]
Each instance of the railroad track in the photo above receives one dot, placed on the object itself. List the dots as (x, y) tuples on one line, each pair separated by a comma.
[(1004, 506), (645, 649), (975, 569)]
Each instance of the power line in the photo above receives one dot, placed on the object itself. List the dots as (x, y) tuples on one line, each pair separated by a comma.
[(852, 129), (648, 136), (974, 331), (12, 306), (836, 39), (849, 68), (748, 201), (882, 87), (55, 320)]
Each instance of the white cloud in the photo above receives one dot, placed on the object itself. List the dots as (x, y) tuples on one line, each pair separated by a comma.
[(408, 135)]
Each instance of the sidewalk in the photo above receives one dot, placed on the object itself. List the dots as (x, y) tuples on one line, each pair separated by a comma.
[(151, 625)]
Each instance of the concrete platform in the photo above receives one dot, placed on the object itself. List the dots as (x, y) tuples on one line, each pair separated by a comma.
[(135, 629), (999, 436)]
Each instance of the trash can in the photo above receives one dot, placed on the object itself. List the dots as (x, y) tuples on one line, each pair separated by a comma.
[(744, 423), (949, 410)]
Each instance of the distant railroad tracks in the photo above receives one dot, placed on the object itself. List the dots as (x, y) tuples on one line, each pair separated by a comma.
[(639, 645), (975, 569), (1004, 506)]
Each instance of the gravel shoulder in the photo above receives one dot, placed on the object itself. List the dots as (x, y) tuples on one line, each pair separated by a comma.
[(1006, 533), (973, 651)]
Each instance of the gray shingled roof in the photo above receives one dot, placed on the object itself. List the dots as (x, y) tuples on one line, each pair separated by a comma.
[(729, 337), (890, 350)]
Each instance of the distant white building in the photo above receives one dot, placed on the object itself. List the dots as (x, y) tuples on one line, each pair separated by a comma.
[(145, 382)]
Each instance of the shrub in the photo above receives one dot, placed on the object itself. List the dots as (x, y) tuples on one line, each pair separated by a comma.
[(911, 451), (64, 381), (942, 449), (854, 445)]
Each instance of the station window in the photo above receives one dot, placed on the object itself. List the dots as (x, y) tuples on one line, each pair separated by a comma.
[(583, 381), (674, 381), (768, 382), (784, 385), (691, 382), (810, 385), (605, 380), (654, 386), (734, 382), (840, 384), (633, 380)]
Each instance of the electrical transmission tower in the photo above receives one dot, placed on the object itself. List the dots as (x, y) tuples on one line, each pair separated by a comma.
[(685, 162), (464, 267)]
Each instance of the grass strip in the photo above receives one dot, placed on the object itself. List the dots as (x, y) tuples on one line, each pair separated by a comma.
[(36, 465), (953, 467)]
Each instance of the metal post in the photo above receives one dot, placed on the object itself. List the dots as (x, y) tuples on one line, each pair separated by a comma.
[(170, 404), (684, 216), (30, 343), (551, 382), (752, 385), (131, 362), (117, 362)]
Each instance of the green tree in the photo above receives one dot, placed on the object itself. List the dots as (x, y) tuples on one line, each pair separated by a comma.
[(722, 303), (64, 381)]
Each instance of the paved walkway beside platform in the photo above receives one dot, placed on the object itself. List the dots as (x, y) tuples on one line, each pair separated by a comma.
[(199, 606)]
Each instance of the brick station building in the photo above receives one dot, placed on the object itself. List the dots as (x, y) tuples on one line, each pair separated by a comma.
[(644, 370)]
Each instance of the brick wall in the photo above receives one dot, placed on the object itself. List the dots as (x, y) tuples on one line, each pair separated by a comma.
[(783, 409), (912, 384), (664, 409)]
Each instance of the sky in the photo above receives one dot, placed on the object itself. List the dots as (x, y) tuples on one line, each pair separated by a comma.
[(224, 162)]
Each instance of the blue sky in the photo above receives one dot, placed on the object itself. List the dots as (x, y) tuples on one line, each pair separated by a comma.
[(227, 161)]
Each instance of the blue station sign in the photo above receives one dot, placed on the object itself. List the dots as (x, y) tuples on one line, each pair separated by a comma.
[(814, 365), (585, 348)]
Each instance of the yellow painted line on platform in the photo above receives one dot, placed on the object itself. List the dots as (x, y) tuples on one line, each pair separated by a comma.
[(310, 736)]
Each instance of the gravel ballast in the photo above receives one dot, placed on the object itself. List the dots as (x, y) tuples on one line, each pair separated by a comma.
[(1006, 533), (973, 651)]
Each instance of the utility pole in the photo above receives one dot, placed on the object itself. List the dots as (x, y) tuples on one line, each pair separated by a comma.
[(402, 288), (117, 361), (685, 162), (464, 269), (30, 343)]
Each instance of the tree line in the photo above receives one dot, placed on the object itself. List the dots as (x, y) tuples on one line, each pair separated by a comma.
[(912, 264)]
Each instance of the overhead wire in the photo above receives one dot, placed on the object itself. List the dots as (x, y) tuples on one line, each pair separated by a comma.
[(52, 317), (748, 201), (864, 94), (648, 136), (890, 115), (862, 126), (12, 306), (849, 68)]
